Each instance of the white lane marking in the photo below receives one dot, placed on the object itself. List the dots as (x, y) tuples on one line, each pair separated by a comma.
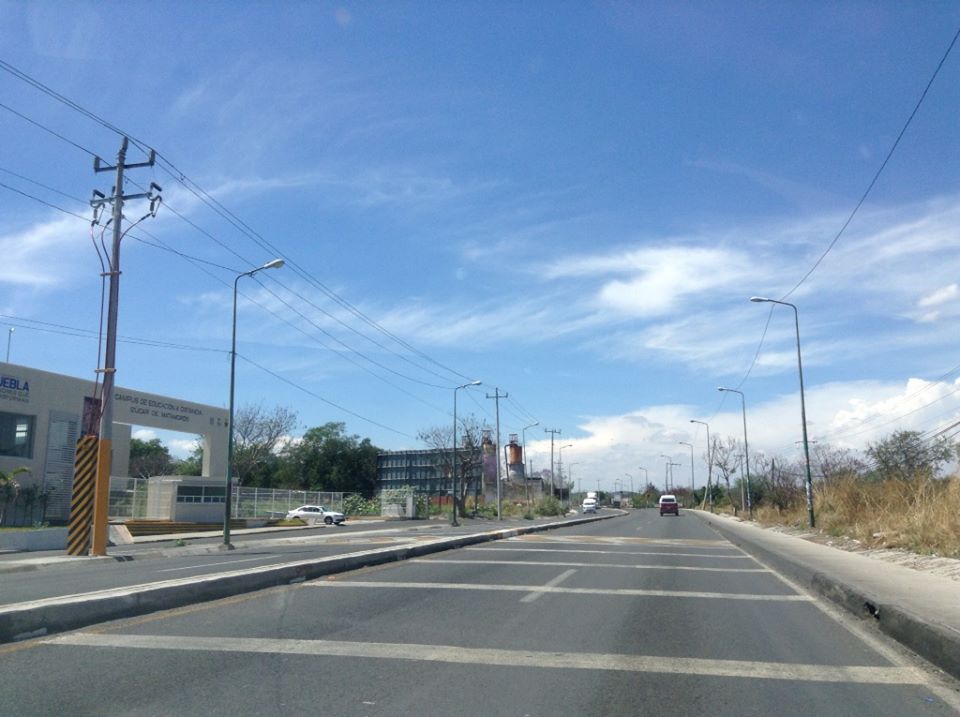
[(626, 540), (587, 565), (224, 562), (613, 552), (534, 596), (456, 654), (632, 592)]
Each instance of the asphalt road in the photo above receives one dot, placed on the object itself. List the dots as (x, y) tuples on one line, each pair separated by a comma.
[(131, 565), (639, 615)]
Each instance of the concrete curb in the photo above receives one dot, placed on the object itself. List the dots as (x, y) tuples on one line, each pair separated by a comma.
[(38, 618), (938, 643)]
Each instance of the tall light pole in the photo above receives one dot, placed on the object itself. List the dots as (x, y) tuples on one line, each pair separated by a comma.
[(684, 443), (9, 337), (709, 492), (803, 403), (631, 486), (560, 469), (666, 472), (553, 433), (746, 450), (228, 487), (523, 431), (672, 484), (453, 461), (570, 474), (526, 474)]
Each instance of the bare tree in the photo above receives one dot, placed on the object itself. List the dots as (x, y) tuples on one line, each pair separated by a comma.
[(469, 456), (257, 433), (836, 463), (727, 459)]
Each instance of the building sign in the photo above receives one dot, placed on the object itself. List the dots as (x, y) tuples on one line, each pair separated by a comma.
[(162, 412), (13, 388)]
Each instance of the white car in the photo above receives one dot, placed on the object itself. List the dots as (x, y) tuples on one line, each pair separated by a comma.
[(312, 514), (589, 506)]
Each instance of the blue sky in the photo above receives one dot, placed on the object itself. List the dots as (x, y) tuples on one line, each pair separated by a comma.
[(570, 201)]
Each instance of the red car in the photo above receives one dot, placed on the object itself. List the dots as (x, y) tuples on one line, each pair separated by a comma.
[(669, 504)]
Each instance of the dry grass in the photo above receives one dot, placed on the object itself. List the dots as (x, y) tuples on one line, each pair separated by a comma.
[(922, 515)]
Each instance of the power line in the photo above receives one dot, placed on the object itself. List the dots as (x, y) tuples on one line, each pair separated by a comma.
[(883, 165), (220, 209), (859, 204), (325, 400)]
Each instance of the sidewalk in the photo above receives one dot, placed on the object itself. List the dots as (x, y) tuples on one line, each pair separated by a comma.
[(919, 610)]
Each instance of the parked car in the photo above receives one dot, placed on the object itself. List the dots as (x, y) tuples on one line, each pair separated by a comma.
[(589, 505), (669, 504), (315, 514)]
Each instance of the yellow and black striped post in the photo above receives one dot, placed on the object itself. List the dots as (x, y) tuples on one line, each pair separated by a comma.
[(81, 504)]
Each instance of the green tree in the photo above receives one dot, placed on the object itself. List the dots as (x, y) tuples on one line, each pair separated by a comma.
[(907, 455), (192, 465), (149, 458), (328, 459)]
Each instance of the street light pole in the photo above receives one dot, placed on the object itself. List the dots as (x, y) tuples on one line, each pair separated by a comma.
[(709, 492), (560, 469), (684, 443), (746, 450), (803, 404), (453, 461), (228, 487), (9, 337), (526, 474)]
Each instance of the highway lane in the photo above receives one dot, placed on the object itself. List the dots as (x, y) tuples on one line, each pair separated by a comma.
[(143, 563), (637, 615)]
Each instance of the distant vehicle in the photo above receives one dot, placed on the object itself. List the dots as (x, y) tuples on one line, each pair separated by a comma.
[(315, 514), (669, 504), (589, 505), (592, 495)]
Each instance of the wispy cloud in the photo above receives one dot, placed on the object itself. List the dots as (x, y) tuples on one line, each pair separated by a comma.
[(28, 253)]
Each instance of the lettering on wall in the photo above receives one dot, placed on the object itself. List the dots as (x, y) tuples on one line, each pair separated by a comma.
[(13, 388), (159, 408)]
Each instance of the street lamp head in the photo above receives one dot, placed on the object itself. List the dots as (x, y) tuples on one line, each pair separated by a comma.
[(759, 299), (275, 264), (721, 388)]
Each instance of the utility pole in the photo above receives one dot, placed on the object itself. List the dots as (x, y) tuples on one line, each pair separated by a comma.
[(672, 484), (104, 454), (553, 433), (497, 396)]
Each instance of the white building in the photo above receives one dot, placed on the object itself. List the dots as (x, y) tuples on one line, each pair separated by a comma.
[(40, 422)]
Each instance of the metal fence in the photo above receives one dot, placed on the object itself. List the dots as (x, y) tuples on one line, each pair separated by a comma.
[(128, 499), (275, 502)]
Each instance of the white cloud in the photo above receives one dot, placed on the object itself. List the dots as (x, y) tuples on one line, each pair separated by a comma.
[(843, 415), (941, 296), (27, 254)]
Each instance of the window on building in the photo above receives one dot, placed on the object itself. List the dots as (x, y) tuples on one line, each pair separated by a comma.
[(16, 435), (200, 494)]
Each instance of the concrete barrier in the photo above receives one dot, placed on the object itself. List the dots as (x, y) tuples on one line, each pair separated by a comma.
[(34, 539)]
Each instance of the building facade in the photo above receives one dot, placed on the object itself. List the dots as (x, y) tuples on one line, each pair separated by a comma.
[(40, 422)]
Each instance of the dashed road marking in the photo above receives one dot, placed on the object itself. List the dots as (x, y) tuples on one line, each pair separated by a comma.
[(534, 596)]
